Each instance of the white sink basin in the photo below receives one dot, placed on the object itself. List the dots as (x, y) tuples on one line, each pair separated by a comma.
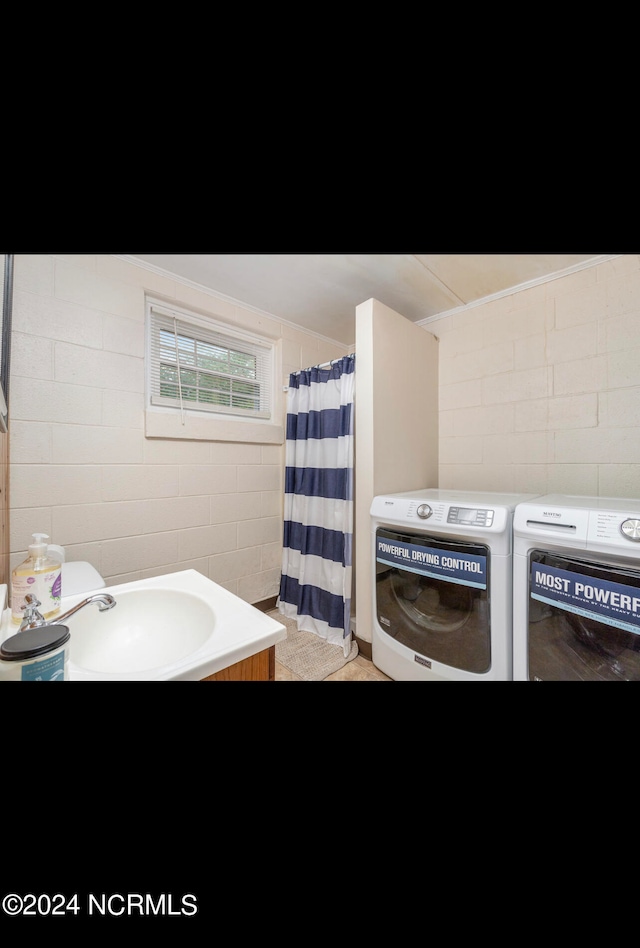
[(179, 627), (147, 628)]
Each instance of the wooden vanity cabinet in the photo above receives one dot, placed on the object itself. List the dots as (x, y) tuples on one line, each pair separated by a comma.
[(258, 667)]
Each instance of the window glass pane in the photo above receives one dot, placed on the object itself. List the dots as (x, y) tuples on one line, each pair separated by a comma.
[(167, 345), (187, 377), (248, 388), (186, 350), (168, 381), (219, 398), (168, 373), (210, 357), (242, 364), (242, 392), (169, 391)]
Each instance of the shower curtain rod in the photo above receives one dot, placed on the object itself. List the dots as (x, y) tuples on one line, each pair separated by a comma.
[(325, 365), (322, 365)]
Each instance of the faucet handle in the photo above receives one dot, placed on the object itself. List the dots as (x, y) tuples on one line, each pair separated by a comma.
[(30, 602), (32, 618)]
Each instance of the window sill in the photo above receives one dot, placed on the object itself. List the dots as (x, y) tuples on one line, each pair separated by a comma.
[(159, 424)]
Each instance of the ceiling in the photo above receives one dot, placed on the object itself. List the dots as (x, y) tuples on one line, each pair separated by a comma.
[(320, 291)]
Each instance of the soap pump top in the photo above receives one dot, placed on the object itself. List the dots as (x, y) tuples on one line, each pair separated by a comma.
[(38, 549)]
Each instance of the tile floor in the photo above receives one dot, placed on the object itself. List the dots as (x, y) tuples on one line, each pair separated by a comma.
[(360, 669)]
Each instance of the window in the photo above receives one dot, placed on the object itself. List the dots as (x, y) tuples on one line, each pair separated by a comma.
[(197, 365)]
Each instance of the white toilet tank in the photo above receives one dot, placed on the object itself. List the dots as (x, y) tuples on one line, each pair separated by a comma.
[(80, 577), (76, 577)]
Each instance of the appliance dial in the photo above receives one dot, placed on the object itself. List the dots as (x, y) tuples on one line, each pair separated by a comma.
[(424, 511), (631, 529)]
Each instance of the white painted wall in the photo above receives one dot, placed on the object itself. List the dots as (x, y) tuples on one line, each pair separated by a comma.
[(396, 425), (540, 390), (83, 471)]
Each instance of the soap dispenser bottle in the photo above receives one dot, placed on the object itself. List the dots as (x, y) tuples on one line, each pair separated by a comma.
[(40, 575)]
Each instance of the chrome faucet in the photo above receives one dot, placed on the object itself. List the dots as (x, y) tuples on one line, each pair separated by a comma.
[(35, 620)]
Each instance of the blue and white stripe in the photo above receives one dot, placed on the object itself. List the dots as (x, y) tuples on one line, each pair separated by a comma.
[(315, 586)]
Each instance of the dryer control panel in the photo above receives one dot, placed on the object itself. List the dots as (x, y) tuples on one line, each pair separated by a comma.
[(445, 513), (610, 526), (631, 529), (469, 516), (593, 523), (431, 512), (422, 510)]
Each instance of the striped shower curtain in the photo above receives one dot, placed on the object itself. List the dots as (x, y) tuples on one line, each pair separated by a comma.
[(315, 586)]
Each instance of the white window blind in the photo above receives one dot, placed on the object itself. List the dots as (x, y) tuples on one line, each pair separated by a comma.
[(199, 365)]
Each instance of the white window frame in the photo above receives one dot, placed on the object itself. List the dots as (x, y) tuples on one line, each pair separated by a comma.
[(182, 416)]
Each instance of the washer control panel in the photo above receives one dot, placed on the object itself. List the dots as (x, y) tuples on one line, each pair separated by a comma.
[(470, 516)]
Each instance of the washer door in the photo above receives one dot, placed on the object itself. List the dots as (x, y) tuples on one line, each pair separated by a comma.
[(584, 620), (432, 596)]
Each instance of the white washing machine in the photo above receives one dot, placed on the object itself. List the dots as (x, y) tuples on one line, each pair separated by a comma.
[(576, 598), (442, 590)]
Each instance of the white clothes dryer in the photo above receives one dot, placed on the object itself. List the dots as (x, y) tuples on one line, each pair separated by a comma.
[(576, 599), (443, 581)]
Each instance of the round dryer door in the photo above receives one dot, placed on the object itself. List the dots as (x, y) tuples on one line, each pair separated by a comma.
[(432, 598), (583, 622)]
